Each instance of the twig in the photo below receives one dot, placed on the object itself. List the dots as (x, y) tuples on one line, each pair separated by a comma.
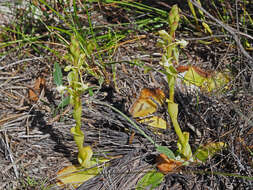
[(11, 157), (207, 37), (20, 61)]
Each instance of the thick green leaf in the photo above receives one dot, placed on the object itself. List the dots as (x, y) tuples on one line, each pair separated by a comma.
[(57, 74), (150, 180), (166, 151), (209, 150)]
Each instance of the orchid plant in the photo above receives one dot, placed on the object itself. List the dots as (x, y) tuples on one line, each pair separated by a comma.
[(75, 88), (170, 60)]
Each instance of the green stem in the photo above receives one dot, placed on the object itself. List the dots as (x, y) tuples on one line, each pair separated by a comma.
[(184, 147), (172, 91), (171, 82), (76, 131), (178, 131), (77, 112)]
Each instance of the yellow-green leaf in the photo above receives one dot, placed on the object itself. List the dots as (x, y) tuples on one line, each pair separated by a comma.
[(150, 180), (164, 35), (172, 110), (84, 156), (78, 137), (206, 151), (71, 78), (154, 121), (75, 175), (217, 81), (185, 148), (192, 77)]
